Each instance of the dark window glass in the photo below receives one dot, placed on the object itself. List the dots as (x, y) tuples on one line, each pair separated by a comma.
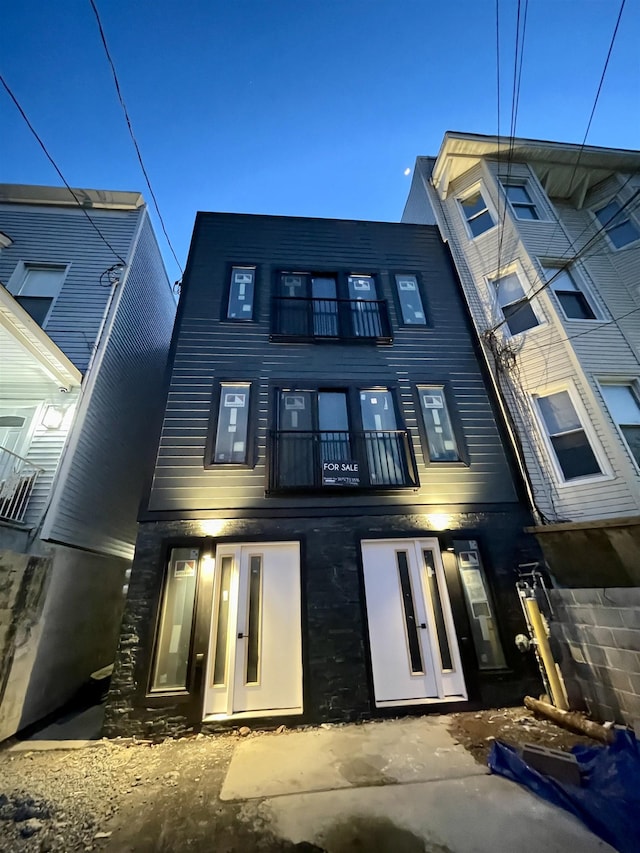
[(365, 312), (174, 636), (241, 293), (415, 653), (233, 425), (477, 214), (520, 317), (625, 411), (253, 628), (36, 306), (437, 424), (438, 612), (568, 438), (220, 666), (618, 225), (521, 202), (575, 306), (384, 454), (325, 307), (478, 603), (410, 300)]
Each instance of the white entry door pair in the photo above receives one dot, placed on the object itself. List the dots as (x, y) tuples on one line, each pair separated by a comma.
[(255, 653)]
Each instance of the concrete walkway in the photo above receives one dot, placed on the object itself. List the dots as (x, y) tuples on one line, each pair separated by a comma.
[(402, 786)]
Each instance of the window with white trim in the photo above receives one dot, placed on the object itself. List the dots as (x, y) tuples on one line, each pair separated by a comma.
[(567, 436), (476, 213), (620, 228), (514, 304), (622, 401), (572, 299), (38, 288), (520, 199)]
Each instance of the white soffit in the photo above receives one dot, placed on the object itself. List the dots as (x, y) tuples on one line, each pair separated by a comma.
[(26, 350)]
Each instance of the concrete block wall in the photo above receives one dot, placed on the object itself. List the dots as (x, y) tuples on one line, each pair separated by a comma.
[(596, 636)]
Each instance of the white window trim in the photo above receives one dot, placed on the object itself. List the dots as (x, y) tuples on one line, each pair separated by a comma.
[(469, 191), (587, 426), (634, 384), (579, 280), (527, 288), (526, 184), (18, 275), (630, 215)]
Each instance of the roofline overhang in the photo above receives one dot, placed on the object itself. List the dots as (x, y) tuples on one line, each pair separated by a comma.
[(28, 334), (62, 197), (473, 147)]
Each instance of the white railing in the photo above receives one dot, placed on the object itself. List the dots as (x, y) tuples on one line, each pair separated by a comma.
[(17, 479)]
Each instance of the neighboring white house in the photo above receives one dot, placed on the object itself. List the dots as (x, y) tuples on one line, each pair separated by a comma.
[(86, 313), (562, 339)]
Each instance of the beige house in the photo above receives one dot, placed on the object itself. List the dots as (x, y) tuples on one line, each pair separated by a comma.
[(546, 240)]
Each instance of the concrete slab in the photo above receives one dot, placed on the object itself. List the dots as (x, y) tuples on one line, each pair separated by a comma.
[(73, 731), (373, 754), (475, 814)]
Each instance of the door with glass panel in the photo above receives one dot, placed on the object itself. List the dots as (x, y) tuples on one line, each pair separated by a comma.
[(255, 654), (382, 439), (414, 650)]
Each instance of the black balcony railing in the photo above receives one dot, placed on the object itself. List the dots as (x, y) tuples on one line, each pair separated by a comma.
[(341, 460), (295, 318)]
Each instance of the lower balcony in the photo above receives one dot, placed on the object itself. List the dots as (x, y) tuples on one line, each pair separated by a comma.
[(317, 461), (17, 480)]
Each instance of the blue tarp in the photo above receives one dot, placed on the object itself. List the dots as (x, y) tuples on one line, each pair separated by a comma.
[(608, 801)]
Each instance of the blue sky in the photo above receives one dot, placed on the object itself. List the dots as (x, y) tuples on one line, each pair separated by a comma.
[(297, 107)]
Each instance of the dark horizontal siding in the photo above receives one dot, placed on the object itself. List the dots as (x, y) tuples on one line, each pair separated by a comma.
[(209, 350)]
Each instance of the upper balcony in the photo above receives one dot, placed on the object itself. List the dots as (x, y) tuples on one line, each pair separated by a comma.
[(296, 318), (340, 460)]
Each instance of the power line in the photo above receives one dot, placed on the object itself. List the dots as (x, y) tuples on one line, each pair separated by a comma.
[(131, 134), (56, 167), (588, 245)]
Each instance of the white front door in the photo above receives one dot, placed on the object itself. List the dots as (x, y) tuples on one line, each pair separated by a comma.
[(414, 650), (255, 653)]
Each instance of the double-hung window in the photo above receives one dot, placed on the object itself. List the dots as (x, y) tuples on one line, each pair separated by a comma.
[(520, 199), (476, 213), (572, 299), (624, 408), (513, 303), (620, 228), (38, 288), (567, 436), (231, 444)]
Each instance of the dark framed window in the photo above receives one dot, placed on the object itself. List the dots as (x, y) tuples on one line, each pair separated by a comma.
[(620, 227), (572, 299), (476, 213), (241, 293), (520, 199), (441, 440), (176, 621), (230, 442), (624, 408), (567, 436), (410, 299), (38, 289), (329, 306), (516, 308)]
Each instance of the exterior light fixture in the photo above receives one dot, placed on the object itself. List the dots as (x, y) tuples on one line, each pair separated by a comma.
[(53, 417)]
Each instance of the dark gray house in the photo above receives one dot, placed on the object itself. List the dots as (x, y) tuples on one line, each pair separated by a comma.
[(333, 522)]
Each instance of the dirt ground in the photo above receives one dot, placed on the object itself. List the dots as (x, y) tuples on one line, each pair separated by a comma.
[(121, 796)]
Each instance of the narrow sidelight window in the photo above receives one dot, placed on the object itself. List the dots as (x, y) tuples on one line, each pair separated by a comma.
[(479, 607), (410, 300), (222, 628), (174, 636), (241, 292), (568, 438), (438, 612), (437, 424), (253, 626), (233, 424), (408, 606)]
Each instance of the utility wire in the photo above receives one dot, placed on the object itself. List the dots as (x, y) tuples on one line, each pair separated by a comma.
[(593, 111), (56, 167), (587, 246), (131, 134)]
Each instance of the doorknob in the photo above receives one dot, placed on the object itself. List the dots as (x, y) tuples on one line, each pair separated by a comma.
[(242, 636), (423, 624)]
